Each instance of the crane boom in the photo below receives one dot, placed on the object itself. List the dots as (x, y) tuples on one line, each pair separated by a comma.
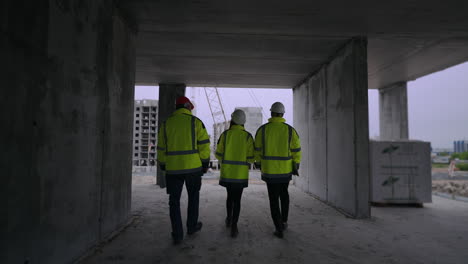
[(217, 113)]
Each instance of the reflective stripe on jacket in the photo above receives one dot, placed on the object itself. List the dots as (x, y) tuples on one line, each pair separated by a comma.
[(183, 143), (277, 147), (235, 152)]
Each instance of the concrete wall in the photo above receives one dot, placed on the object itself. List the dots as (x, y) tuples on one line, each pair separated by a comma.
[(393, 112), (67, 102), (331, 116)]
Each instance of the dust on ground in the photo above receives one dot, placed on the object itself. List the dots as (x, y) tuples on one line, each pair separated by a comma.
[(317, 233)]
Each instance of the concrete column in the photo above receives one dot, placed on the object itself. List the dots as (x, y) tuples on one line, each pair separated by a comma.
[(393, 106), (331, 116), (67, 109), (168, 93)]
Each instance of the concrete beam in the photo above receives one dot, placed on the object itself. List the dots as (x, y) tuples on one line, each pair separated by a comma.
[(168, 93), (393, 108), (331, 116)]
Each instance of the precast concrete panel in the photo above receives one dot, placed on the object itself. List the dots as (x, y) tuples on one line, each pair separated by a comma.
[(23, 81), (117, 163), (340, 160), (338, 169), (347, 130), (317, 86), (301, 124), (72, 79)]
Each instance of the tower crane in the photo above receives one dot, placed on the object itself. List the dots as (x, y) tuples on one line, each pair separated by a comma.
[(217, 112)]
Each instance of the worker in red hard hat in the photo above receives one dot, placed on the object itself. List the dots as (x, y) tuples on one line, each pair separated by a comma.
[(184, 154), (182, 100)]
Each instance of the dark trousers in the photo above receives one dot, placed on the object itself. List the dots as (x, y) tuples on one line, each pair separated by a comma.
[(233, 203), (277, 192), (175, 184)]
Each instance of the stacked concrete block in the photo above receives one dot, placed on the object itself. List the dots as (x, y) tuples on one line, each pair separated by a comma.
[(400, 172)]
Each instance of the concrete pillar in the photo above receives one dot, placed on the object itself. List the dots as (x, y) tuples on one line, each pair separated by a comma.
[(393, 106), (331, 116), (168, 93), (67, 109)]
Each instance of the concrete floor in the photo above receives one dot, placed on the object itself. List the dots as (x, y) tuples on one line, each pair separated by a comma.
[(437, 233)]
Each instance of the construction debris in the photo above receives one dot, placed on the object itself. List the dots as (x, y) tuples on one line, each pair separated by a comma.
[(454, 187)]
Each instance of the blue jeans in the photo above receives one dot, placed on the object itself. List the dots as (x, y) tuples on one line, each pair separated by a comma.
[(175, 184)]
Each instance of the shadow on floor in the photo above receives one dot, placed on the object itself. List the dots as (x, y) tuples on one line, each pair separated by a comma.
[(437, 233)]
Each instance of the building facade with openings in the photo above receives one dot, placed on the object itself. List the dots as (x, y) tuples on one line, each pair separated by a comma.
[(145, 132)]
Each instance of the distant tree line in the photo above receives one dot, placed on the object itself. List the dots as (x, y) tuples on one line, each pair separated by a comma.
[(460, 156)]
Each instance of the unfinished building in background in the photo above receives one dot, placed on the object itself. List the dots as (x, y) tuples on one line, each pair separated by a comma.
[(145, 127)]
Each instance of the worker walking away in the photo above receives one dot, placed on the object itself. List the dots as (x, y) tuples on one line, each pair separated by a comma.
[(235, 150), (277, 154), (183, 153)]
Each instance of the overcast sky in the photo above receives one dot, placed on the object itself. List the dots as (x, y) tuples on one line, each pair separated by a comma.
[(437, 105)]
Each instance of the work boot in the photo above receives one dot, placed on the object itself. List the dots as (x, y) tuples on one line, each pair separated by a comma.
[(278, 234), (176, 240), (234, 231), (198, 227), (228, 222), (285, 226)]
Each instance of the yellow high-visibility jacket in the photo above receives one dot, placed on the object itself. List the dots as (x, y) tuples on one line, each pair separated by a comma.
[(183, 144), (277, 149), (235, 152)]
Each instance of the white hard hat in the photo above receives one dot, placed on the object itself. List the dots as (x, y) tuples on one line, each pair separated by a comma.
[(238, 116), (277, 108)]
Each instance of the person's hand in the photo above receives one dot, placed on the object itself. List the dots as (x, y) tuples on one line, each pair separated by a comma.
[(295, 169), (257, 165), (205, 167)]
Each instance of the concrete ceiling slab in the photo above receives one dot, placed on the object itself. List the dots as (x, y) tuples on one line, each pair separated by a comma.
[(277, 43), (395, 60)]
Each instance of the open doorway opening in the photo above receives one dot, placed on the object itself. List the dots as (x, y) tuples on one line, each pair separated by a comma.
[(145, 120), (213, 106), (435, 106), (437, 113)]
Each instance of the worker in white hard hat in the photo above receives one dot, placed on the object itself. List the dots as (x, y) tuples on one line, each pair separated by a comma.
[(235, 151), (278, 154)]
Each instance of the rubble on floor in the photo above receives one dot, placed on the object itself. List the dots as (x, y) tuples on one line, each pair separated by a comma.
[(455, 187)]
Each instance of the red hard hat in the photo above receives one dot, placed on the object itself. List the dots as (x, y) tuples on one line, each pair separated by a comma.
[(184, 101)]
